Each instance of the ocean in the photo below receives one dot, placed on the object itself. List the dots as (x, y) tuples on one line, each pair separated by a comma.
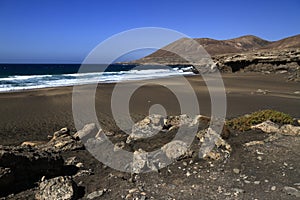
[(18, 77)]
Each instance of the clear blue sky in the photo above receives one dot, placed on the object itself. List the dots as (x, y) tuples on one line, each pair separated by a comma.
[(66, 31)]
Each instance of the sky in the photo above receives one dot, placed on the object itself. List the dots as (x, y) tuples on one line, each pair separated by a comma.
[(61, 31)]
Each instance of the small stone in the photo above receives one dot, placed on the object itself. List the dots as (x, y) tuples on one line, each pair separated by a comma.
[(79, 165), (71, 160), (184, 163), (256, 182), (236, 171), (128, 196), (238, 190), (273, 188), (96, 194), (133, 190), (246, 181), (188, 174), (259, 158), (143, 198), (252, 143)]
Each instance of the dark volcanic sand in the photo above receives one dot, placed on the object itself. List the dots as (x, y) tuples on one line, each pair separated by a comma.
[(32, 115)]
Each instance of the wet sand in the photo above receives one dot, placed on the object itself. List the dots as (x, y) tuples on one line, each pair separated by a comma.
[(32, 115)]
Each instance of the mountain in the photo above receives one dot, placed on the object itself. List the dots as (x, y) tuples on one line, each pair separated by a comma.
[(184, 46), (289, 42)]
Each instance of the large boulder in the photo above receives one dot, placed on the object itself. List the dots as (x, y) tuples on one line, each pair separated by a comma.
[(61, 140), (271, 127), (267, 127), (22, 166), (59, 188), (147, 127)]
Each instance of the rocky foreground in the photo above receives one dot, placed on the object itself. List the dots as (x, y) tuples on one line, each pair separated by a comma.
[(259, 162)]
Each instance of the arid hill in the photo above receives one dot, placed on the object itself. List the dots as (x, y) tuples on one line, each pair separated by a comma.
[(289, 42), (248, 43), (247, 53)]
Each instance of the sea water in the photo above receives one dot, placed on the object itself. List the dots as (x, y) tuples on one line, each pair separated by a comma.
[(16, 77)]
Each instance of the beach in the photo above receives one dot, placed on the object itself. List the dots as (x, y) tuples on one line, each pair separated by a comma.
[(252, 164), (35, 114)]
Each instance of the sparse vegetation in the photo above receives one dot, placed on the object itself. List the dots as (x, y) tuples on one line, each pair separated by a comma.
[(245, 122)]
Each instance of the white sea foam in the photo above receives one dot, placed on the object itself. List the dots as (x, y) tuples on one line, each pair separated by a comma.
[(16, 83)]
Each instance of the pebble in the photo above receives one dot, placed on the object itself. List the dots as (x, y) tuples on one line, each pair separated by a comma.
[(236, 171), (184, 163), (79, 165), (96, 194), (188, 174), (256, 182), (273, 188), (238, 190), (246, 181), (133, 190), (259, 158)]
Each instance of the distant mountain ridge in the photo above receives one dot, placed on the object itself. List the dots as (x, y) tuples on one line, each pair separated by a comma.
[(243, 44)]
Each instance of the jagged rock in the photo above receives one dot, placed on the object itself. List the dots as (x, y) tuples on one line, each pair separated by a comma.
[(119, 145), (289, 129), (62, 140), (271, 127), (267, 127), (71, 161), (141, 162), (177, 121), (59, 188), (147, 127), (27, 165), (63, 131), (96, 194), (89, 130), (175, 149), (83, 172), (252, 143), (33, 143), (213, 146)]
